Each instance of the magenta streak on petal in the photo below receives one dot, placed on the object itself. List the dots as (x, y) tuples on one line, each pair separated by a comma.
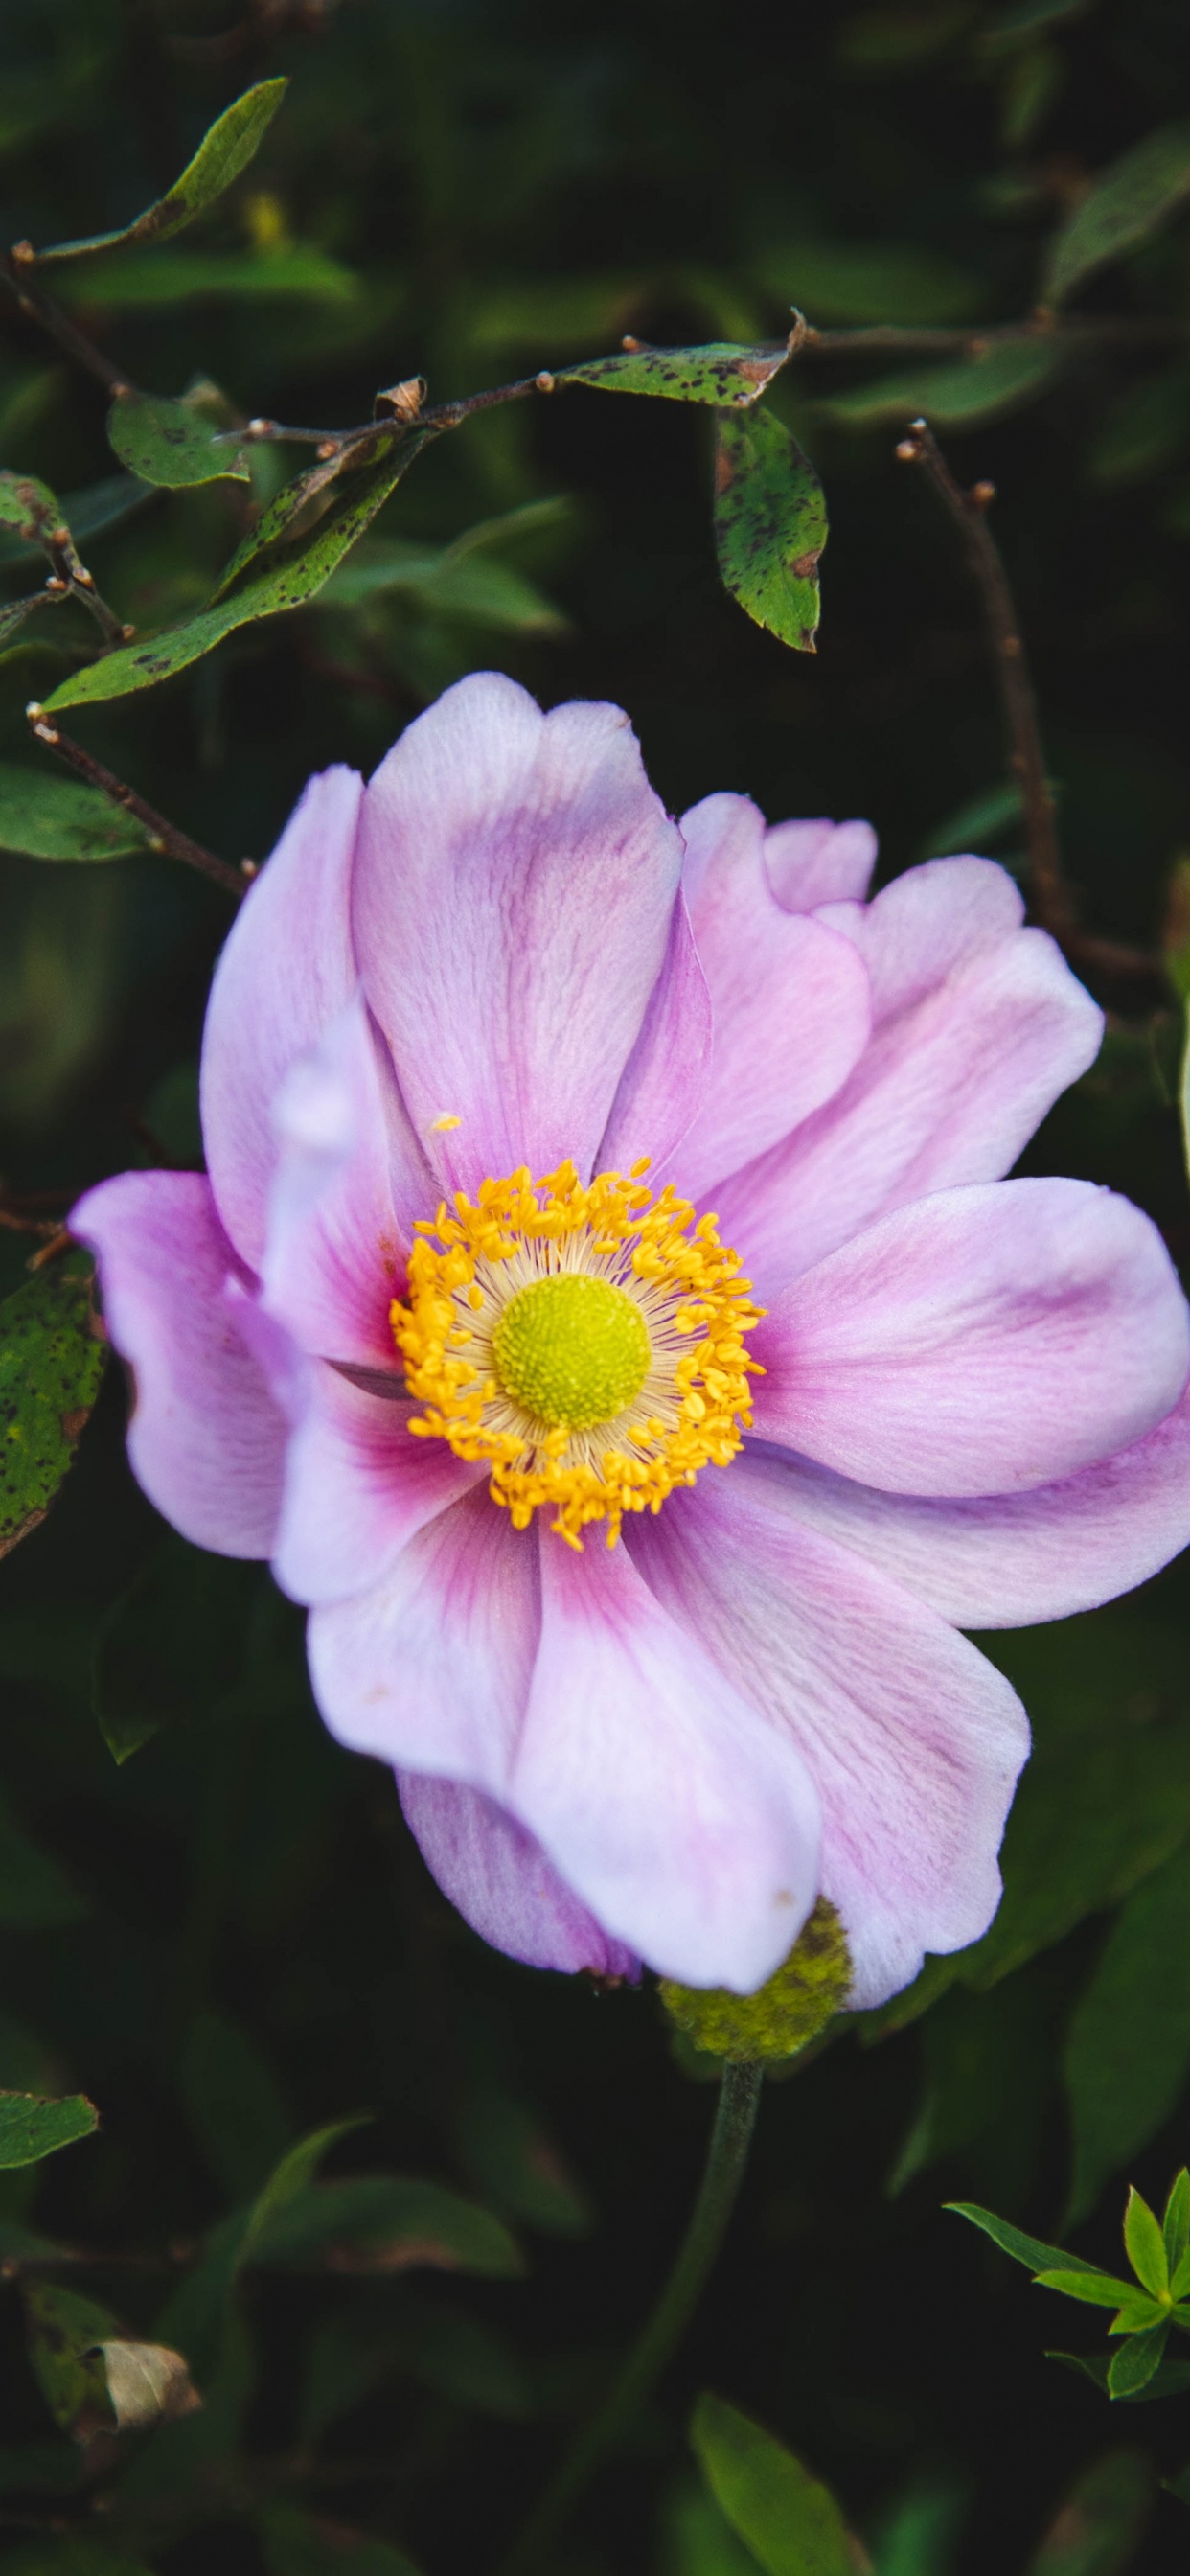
[(513, 898), (502, 1883), (431, 1670), (287, 967), (206, 1439), (984, 1341), (913, 1741), (358, 1486), (685, 1823), (665, 1076), (980, 1026), (1006, 1560), (789, 999)]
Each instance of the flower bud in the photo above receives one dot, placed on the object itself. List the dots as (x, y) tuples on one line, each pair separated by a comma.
[(794, 2004)]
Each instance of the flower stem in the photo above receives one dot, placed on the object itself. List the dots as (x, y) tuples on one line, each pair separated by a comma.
[(727, 2155)]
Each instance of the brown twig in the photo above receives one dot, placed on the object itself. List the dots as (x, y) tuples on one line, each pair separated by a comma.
[(73, 342), (1053, 899), (162, 835)]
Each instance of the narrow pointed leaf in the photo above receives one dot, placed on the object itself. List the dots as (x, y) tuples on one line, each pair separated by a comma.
[(722, 373), (1137, 2362), (1137, 194), (171, 443), (770, 525), (1028, 2250), (1175, 2227), (1138, 2313), (226, 149), (1181, 2278), (386, 2223), (791, 2524), (46, 816), (1097, 2288), (959, 394), (51, 1364), (1145, 2245), (31, 2127), (288, 580), (1170, 2379)]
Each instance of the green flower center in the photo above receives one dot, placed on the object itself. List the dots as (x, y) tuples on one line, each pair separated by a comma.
[(572, 1349)]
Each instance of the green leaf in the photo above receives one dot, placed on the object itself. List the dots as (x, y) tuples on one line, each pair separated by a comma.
[(460, 2357), (1175, 2228), (1127, 2050), (172, 1645), (386, 2223), (31, 2127), (51, 1364), (27, 505), (87, 513), (511, 2158), (145, 281), (292, 2176), (47, 817), (976, 824), (1137, 2361), (1171, 2379), (171, 442), (770, 525), (1023, 18), (1137, 194), (71, 2557), (958, 395), (226, 149), (1028, 2250), (195, 2317), (1143, 431), (1180, 2283), (916, 2534), (1100, 2522), (289, 580), (234, 2104), (296, 2543), (1099, 2289), (721, 373), (65, 2330), (697, 2539), (791, 2524), (15, 611), (869, 281), (1145, 2245)]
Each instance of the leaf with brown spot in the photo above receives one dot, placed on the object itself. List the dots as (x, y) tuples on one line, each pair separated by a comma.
[(770, 525), (51, 1363), (226, 148), (722, 373)]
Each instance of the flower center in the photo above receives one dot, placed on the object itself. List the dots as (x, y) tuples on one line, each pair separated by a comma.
[(584, 1339), (572, 1348)]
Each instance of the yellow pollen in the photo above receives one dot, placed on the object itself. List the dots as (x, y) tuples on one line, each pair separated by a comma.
[(572, 1348), (585, 1340)]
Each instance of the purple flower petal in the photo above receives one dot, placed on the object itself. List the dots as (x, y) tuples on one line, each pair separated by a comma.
[(812, 863), (685, 1823), (513, 895), (286, 969), (789, 997), (912, 1739), (665, 1076), (502, 1883), (358, 1486), (979, 1025), (336, 1249), (1008, 1560), (982, 1341), (206, 1439), (431, 1670)]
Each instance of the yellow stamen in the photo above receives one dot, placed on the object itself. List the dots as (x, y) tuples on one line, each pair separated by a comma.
[(585, 1340)]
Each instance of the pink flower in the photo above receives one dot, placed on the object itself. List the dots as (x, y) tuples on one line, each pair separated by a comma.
[(501, 961)]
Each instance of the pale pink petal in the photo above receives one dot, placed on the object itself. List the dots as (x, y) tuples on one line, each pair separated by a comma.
[(206, 1439), (431, 1670), (985, 1340), (686, 1824), (502, 1883), (665, 1076), (336, 1251), (358, 1486), (513, 898), (980, 1026), (913, 1741), (789, 999), (287, 967), (1008, 1560), (812, 863)]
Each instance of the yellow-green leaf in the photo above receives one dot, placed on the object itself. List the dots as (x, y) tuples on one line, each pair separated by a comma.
[(226, 149)]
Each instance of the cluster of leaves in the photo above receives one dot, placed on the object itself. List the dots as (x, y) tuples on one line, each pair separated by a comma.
[(210, 1919)]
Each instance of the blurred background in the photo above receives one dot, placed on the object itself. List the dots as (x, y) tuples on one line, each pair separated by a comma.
[(229, 1938)]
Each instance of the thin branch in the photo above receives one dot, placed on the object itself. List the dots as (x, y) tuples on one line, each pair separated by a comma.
[(163, 835), (1053, 899), (975, 339), (75, 344)]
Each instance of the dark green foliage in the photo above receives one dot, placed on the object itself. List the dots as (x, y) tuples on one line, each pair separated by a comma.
[(170, 442), (791, 2524), (31, 2129), (228, 147), (51, 1362), (46, 817), (770, 525)]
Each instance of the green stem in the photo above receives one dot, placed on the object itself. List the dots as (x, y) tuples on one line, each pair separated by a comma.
[(727, 2155)]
